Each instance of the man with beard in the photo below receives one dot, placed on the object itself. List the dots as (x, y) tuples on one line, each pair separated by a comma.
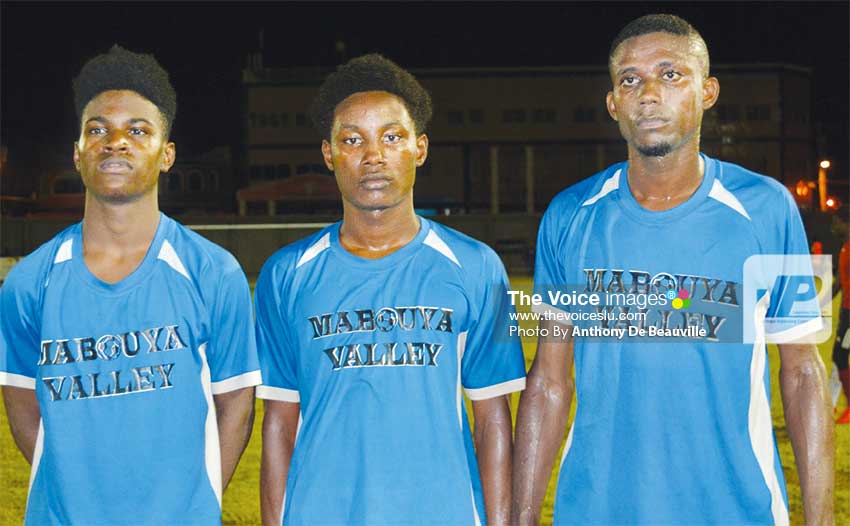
[(669, 429)]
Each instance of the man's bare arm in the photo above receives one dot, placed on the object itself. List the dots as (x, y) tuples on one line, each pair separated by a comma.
[(24, 416), (808, 415), (492, 436), (235, 415), (541, 422), (280, 424)]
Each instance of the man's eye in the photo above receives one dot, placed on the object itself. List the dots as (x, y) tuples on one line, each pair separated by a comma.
[(352, 141), (392, 137), (138, 131), (97, 131), (629, 81), (671, 75)]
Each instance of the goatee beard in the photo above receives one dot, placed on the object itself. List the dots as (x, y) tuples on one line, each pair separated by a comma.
[(655, 150)]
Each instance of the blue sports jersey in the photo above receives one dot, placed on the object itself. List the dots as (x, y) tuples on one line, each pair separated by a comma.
[(125, 375), (377, 352), (674, 429)]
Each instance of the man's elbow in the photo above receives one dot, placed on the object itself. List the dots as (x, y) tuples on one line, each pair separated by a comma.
[(557, 391)]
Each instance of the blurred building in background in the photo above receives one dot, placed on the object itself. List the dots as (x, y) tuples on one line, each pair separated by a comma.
[(509, 139)]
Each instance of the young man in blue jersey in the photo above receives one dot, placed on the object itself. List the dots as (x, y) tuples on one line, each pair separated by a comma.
[(370, 330), (127, 355), (676, 428)]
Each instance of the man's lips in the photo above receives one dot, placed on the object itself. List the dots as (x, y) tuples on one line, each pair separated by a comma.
[(375, 181), (651, 123), (115, 166)]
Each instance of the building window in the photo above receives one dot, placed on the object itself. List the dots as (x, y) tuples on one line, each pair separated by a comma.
[(301, 120), (758, 112), (476, 116), (545, 115), (513, 116), (584, 114), (455, 118)]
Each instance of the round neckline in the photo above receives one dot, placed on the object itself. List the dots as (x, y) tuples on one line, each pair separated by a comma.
[(388, 261), (134, 278), (638, 212)]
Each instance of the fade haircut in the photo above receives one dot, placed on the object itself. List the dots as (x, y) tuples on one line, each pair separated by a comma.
[(662, 23), (120, 69), (371, 72)]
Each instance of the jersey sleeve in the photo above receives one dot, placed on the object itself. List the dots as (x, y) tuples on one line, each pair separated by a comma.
[(794, 312), (19, 334), (549, 266), (280, 381), (233, 359), (492, 364)]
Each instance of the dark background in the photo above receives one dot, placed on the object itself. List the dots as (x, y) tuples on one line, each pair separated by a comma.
[(205, 46)]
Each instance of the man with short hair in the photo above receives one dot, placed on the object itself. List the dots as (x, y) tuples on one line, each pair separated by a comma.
[(127, 354), (369, 330), (673, 425)]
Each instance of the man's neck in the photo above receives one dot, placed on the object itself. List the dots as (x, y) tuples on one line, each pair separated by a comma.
[(661, 183), (116, 237), (374, 234)]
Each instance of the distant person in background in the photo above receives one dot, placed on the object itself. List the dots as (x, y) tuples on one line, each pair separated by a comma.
[(671, 429), (127, 354), (370, 331), (817, 247), (841, 349)]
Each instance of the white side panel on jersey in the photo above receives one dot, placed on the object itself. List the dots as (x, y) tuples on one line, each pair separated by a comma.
[(64, 253), (167, 254), (436, 242), (720, 193), (492, 391), (760, 423), (610, 184), (461, 346), (17, 380), (320, 245), (36, 457), (212, 448)]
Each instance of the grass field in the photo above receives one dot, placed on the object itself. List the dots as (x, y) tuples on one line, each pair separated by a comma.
[(241, 501)]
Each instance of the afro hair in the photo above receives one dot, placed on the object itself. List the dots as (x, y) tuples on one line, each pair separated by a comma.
[(120, 69), (371, 72)]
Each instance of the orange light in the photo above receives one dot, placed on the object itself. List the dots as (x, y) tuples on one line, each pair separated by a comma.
[(830, 202), (824, 164), (802, 189)]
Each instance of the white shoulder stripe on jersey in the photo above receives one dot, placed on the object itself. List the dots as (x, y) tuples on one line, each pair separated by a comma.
[(64, 253), (611, 184), (167, 254), (798, 331), (36, 457), (436, 242), (315, 250), (278, 393), (720, 193), (492, 391), (237, 382), (17, 380)]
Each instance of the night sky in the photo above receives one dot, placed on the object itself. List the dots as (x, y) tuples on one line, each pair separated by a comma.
[(204, 46)]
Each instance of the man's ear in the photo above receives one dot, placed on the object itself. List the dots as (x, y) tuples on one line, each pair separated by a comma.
[(710, 92), (327, 155), (169, 155), (610, 106), (421, 149)]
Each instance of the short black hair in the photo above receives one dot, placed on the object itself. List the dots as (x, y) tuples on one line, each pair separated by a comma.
[(120, 69), (658, 23), (372, 72)]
